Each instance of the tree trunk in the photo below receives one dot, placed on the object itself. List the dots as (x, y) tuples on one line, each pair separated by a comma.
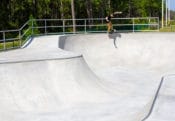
[(109, 6), (73, 16), (61, 9), (89, 11), (129, 9)]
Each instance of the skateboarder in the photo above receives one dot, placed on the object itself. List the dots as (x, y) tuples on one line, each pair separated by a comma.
[(109, 23)]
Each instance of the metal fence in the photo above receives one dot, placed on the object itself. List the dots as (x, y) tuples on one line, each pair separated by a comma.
[(11, 39)]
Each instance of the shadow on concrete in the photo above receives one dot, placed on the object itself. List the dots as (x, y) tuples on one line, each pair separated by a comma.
[(61, 41), (29, 41), (114, 36)]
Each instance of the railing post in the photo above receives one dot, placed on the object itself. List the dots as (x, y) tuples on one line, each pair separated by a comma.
[(20, 43), (158, 27), (45, 26), (63, 26), (85, 26), (133, 23), (32, 27), (149, 22), (4, 40)]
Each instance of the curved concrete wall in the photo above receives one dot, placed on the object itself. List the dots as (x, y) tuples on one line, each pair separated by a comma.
[(44, 82), (145, 51)]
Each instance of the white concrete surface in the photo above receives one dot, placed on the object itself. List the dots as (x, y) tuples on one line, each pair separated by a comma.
[(165, 103), (86, 77)]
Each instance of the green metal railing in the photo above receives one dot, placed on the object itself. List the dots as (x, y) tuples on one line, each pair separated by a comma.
[(11, 39)]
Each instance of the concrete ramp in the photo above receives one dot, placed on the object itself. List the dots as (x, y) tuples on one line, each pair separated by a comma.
[(48, 84), (38, 48), (139, 51), (163, 108), (133, 61), (89, 77), (42, 75), (44, 82)]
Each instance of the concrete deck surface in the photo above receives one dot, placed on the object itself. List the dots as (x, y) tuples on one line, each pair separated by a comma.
[(89, 77)]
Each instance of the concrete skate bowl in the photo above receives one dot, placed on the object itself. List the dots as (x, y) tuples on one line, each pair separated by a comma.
[(91, 77), (134, 64), (43, 82)]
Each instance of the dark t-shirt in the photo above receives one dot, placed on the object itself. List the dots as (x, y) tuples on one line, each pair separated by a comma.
[(108, 19)]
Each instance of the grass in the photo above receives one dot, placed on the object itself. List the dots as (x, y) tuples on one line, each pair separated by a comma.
[(10, 45), (168, 29)]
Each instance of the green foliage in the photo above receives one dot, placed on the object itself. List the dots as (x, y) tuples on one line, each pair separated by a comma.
[(14, 13), (33, 24), (172, 22), (31, 29), (10, 45)]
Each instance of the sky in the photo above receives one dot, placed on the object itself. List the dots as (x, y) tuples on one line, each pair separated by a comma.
[(172, 4)]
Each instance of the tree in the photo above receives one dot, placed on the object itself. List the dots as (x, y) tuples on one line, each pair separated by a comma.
[(15, 13), (4, 18)]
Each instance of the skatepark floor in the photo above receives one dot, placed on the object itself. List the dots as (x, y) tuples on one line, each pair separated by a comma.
[(90, 77)]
